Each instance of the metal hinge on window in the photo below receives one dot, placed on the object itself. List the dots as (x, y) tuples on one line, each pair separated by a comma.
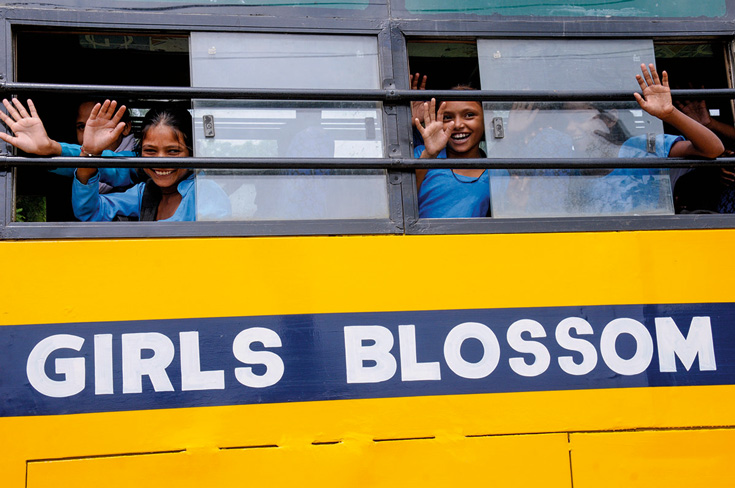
[(651, 143), (208, 125), (498, 131)]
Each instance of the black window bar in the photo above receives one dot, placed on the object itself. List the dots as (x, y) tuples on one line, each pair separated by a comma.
[(387, 96)]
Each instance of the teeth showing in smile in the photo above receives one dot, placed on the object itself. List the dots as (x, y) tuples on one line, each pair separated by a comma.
[(459, 137), (160, 172)]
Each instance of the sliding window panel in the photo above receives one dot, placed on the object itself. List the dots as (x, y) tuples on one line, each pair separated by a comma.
[(572, 130), (291, 129)]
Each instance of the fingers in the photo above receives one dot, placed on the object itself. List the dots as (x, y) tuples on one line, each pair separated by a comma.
[(440, 112), (4, 117), (415, 81), (654, 74), (422, 86), (119, 115), (7, 138), (727, 175), (96, 110), (427, 112), (119, 128), (665, 79), (107, 109), (21, 109), (641, 82), (111, 109), (639, 99), (11, 110), (32, 108), (646, 75)]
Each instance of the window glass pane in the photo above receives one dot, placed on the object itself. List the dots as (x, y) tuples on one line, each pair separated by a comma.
[(291, 129), (331, 4), (572, 8), (306, 129), (572, 130)]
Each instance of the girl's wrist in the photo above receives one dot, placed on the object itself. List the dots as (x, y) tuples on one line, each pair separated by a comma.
[(52, 148), (85, 152)]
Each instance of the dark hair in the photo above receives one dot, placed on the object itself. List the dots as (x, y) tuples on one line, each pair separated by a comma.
[(178, 119), (463, 86)]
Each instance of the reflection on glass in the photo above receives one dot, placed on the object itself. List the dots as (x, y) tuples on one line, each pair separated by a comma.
[(246, 60), (572, 130), (572, 8), (311, 130), (291, 129), (332, 4)]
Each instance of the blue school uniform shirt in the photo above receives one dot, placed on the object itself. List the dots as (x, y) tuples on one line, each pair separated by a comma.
[(444, 194), (115, 177), (90, 205), (635, 190)]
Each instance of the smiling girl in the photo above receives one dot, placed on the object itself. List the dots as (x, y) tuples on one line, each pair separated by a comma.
[(168, 194), (455, 130)]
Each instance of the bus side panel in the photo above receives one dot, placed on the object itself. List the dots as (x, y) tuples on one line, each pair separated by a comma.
[(87, 281), (699, 457), (58, 283), (415, 462)]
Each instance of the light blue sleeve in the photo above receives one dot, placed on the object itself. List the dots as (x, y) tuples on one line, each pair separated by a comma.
[(212, 203), (89, 205), (115, 177)]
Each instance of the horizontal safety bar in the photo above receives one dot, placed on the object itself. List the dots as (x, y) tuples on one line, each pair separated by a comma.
[(362, 163), (389, 95)]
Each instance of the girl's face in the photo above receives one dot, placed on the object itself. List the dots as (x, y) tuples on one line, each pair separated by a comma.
[(164, 142), (469, 127), (586, 126)]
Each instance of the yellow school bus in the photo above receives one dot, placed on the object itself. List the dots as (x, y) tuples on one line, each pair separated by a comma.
[(327, 334)]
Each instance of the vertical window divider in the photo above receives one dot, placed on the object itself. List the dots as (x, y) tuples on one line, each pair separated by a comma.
[(403, 131), (387, 47)]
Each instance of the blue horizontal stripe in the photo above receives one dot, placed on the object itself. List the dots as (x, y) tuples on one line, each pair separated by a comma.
[(314, 357)]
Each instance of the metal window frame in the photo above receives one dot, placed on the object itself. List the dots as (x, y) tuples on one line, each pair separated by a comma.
[(21, 18), (393, 61)]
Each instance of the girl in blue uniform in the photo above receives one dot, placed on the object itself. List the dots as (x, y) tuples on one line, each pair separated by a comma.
[(455, 130)]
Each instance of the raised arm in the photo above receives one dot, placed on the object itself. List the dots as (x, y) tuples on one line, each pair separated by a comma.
[(434, 134), (433, 131), (417, 83), (103, 127), (656, 100), (30, 134)]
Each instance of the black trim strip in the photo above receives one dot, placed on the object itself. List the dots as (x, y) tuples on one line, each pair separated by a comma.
[(363, 163), (389, 95)]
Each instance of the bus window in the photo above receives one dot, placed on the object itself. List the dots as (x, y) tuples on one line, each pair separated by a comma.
[(701, 65), (572, 130), (446, 64), (69, 57), (291, 129), (570, 8)]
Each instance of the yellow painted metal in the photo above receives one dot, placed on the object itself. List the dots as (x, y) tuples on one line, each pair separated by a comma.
[(57, 282), (289, 275), (677, 458), (488, 461), (448, 419)]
